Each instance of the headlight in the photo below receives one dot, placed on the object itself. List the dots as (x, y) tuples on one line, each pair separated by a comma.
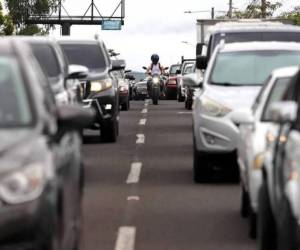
[(213, 108), (98, 86), (24, 185), (155, 80), (259, 161)]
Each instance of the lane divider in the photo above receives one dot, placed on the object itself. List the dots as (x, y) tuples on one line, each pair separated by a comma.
[(140, 139), (135, 172), (133, 198), (126, 238), (142, 122), (145, 111)]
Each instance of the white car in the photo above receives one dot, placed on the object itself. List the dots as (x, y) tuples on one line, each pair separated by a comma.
[(254, 126), (232, 80)]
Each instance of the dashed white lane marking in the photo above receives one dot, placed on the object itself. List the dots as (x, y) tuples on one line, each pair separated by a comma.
[(133, 198), (126, 238), (140, 139), (184, 113), (144, 111), (135, 172), (142, 122)]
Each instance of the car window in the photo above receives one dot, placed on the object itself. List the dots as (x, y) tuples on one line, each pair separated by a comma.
[(46, 57), (14, 102), (89, 55), (250, 67), (276, 94), (173, 69), (260, 94), (188, 69)]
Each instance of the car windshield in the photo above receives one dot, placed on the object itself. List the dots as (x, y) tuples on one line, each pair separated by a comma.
[(256, 36), (14, 104), (173, 69), (250, 67), (89, 55), (47, 59)]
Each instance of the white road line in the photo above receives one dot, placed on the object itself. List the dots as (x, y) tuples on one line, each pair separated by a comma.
[(133, 198), (134, 174), (144, 111), (142, 122), (126, 238), (140, 139), (185, 113)]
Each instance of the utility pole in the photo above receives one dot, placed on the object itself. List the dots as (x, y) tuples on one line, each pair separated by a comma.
[(230, 9), (212, 13), (263, 8)]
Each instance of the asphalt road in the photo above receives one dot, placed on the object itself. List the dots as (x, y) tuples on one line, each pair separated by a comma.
[(139, 192)]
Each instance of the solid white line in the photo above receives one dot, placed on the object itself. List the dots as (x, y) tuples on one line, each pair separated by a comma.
[(134, 174), (143, 122), (140, 139), (185, 113), (144, 111), (126, 238)]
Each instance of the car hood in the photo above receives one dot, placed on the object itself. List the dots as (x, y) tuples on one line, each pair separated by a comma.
[(19, 147), (232, 96)]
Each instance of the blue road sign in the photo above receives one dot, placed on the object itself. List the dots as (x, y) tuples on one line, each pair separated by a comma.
[(111, 24)]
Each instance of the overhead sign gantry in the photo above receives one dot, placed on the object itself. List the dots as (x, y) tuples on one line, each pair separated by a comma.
[(111, 22)]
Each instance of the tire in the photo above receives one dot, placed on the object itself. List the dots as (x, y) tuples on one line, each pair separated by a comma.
[(252, 218), (189, 105), (266, 230), (125, 106), (200, 167), (287, 228), (109, 132), (244, 203)]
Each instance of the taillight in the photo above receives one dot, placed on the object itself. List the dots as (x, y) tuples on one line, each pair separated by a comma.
[(172, 82)]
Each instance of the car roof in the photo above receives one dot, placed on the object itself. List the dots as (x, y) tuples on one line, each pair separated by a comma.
[(255, 46), (285, 72), (255, 26), (68, 39)]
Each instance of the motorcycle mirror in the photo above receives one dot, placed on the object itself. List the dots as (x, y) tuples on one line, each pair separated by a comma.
[(166, 68), (145, 68)]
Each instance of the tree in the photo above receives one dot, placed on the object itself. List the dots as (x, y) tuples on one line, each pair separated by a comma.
[(20, 10), (293, 15), (6, 24)]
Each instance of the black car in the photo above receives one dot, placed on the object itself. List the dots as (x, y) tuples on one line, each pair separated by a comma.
[(140, 91), (40, 191), (100, 88)]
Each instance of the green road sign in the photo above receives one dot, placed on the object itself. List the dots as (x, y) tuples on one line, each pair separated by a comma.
[(111, 24)]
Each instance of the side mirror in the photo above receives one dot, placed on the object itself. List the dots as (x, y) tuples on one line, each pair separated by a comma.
[(77, 72), (178, 72), (192, 80), (284, 112), (199, 49), (166, 68), (74, 117), (201, 62), (242, 116), (145, 68), (128, 71), (118, 65)]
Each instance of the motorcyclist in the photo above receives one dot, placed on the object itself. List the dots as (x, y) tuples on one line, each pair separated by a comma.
[(155, 68)]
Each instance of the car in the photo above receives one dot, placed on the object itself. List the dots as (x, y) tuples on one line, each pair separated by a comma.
[(170, 87), (101, 89), (123, 84), (215, 135), (279, 195), (185, 68), (140, 91), (251, 146), (191, 82), (249, 31), (40, 187)]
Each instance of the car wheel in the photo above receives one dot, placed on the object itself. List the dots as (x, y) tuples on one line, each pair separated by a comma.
[(125, 106), (252, 223), (287, 226), (244, 203), (200, 167), (189, 104), (180, 98), (266, 223), (109, 132)]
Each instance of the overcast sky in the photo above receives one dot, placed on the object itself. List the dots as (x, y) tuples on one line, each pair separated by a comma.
[(156, 26)]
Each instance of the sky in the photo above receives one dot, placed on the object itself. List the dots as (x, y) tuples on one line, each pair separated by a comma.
[(152, 26)]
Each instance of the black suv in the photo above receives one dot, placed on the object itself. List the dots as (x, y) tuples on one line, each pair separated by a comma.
[(100, 88), (40, 191)]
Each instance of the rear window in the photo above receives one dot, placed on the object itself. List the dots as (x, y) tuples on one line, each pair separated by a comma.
[(89, 55), (173, 69), (47, 59), (256, 36)]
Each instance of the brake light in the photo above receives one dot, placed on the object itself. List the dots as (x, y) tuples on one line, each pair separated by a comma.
[(172, 82)]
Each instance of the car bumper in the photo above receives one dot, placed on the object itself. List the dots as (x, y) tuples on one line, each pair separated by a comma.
[(24, 223), (215, 134)]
